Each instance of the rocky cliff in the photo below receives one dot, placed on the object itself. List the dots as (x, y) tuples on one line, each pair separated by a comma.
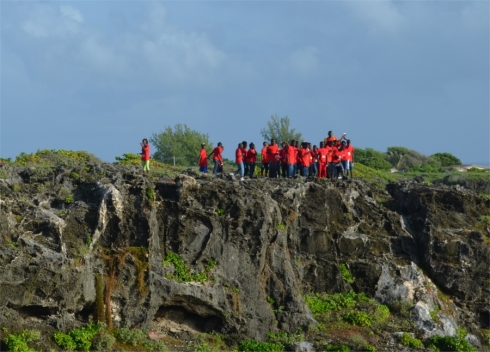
[(198, 254)]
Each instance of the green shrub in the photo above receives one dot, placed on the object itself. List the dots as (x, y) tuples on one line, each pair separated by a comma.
[(256, 346), (150, 194), (412, 342), (358, 318), (372, 158), (346, 274), (80, 339), (323, 302), (456, 343), (133, 337), (284, 338), (18, 342), (182, 272), (103, 342), (155, 345), (53, 157), (341, 348)]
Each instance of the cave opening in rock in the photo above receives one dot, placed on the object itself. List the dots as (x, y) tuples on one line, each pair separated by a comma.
[(34, 311), (176, 320)]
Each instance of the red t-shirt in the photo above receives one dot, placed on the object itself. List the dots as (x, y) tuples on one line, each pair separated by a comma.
[(314, 156), (291, 155), (265, 159), (284, 155), (335, 155), (217, 153), (252, 155), (350, 153), (322, 155), (239, 155), (304, 157), (145, 152), (203, 158), (271, 153), (330, 151)]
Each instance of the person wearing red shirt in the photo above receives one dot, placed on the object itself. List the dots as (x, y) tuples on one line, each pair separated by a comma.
[(322, 161), (145, 156), (314, 161), (337, 163), (272, 150), (291, 157), (331, 149), (284, 161), (203, 159), (245, 160), (252, 158), (297, 167), (239, 154), (304, 159), (265, 160), (349, 150), (217, 154)]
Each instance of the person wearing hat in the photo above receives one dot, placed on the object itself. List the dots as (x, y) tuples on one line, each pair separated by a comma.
[(203, 159)]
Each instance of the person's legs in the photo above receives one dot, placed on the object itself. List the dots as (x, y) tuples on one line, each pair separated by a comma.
[(351, 168), (305, 171), (241, 167), (215, 168), (272, 171), (345, 166), (245, 168), (251, 167), (146, 166), (322, 170)]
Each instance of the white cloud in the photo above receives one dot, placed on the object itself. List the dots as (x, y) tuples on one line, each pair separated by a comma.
[(380, 15), (45, 20), (72, 13), (305, 60)]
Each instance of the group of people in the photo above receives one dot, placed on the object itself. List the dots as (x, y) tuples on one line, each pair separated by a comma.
[(334, 158)]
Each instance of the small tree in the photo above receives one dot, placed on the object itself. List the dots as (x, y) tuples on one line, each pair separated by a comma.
[(446, 159), (278, 129), (180, 142)]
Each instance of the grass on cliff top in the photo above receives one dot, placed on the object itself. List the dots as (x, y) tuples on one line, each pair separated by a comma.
[(51, 157)]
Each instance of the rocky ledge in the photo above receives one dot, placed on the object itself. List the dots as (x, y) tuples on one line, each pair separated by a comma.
[(198, 254)]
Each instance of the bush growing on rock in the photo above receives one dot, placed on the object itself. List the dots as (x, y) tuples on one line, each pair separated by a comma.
[(257, 346), (18, 342)]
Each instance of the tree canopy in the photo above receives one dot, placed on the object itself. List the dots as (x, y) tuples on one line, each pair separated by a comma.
[(446, 159), (181, 142), (278, 129)]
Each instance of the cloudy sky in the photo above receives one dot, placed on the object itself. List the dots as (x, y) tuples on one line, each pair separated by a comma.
[(101, 75)]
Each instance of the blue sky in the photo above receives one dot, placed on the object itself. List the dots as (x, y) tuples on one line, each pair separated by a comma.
[(101, 75)]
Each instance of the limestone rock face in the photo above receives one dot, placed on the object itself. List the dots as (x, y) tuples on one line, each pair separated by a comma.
[(271, 241)]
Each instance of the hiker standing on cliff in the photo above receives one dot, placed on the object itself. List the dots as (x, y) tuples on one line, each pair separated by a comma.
[(145, 156), (217, 157), (203, 159), (252, 158)]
